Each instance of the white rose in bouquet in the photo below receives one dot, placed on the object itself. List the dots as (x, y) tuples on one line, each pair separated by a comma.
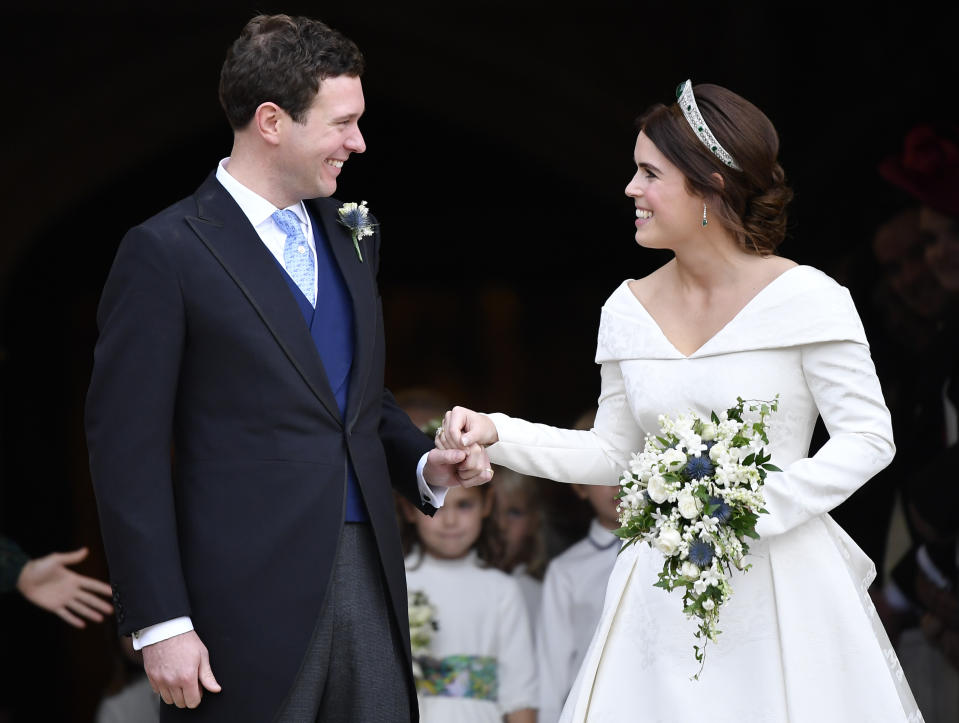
[(689, 505), (668, 540), (674, 460), (709, 432), (689, 570), (717, 452), (657, 490)]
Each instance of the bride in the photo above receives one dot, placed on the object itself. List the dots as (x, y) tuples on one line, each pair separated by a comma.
[(725, 318)]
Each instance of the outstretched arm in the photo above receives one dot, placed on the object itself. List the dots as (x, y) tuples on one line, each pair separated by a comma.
[(595, 456)]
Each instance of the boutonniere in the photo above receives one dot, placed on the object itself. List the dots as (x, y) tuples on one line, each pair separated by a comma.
[(356, 217)]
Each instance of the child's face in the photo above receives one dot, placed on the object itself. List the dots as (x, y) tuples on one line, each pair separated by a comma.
[(454, 529)]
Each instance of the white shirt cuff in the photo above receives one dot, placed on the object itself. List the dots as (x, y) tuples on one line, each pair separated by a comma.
[(161, 631), (434, 495)]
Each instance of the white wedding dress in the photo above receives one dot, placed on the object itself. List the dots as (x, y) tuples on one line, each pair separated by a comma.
[(801, 641)]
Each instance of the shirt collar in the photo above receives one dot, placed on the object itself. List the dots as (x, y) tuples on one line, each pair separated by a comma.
[(256, 208), (600, 536)]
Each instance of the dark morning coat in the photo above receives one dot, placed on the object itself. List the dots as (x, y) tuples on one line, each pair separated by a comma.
[(218, 453)]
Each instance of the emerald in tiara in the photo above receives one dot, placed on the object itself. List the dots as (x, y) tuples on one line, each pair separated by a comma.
[(687, 103)]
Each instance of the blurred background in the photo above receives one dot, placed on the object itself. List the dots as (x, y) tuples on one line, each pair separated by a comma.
[(500, 139)]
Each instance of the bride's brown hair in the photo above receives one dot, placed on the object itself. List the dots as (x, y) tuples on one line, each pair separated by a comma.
[(750, 203)]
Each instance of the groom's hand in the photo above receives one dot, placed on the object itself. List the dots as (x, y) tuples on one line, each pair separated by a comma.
[(177, 667), (453, 467)]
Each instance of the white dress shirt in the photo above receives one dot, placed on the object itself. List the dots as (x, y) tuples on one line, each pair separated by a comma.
[(260, 213)]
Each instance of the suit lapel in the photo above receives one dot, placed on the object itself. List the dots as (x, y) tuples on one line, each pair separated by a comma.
[(359, 281), (227, 233)]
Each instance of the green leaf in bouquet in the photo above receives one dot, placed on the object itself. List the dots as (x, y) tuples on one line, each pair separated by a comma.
[(760, 429), (771, 467), (632, 541)]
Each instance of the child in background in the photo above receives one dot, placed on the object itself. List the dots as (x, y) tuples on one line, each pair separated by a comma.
[(131, 698), (480, 664), (573, 593), (518, 517)]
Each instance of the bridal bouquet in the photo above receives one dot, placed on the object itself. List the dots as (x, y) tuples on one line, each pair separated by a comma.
[(695, 494), (423, 624)]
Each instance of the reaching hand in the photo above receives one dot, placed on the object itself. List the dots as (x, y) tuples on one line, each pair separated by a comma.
[(463, 427), (179, 669), (454, 467), (47, 583)]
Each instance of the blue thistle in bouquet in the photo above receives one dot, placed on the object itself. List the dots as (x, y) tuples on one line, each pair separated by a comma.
[(701, 554), (716, 507), (698, 467), (695, 494)]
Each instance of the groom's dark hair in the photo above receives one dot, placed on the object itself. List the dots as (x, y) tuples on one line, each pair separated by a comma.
[(283, 59)]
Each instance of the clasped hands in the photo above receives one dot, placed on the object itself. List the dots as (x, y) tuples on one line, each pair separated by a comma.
[(460, 456), (468, 432)]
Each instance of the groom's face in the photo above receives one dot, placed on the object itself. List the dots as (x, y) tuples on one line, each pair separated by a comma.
[(315, 150)]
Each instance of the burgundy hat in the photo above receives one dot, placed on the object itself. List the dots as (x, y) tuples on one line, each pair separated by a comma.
[(928, 168)]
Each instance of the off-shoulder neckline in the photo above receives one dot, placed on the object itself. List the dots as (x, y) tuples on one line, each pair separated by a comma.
[(735, 317)]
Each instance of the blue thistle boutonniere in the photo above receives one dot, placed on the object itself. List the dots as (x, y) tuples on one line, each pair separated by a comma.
[(356, 217)]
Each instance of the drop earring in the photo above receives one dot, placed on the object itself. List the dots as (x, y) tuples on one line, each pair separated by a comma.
[(704, 215)]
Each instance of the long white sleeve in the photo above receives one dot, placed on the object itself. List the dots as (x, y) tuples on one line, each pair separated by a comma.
[(842, 379), (597, 456)]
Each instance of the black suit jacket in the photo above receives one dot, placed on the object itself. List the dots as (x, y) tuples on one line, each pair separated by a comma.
[(218, 453)]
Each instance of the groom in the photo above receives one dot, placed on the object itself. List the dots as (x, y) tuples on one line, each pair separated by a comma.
[(242, 445)]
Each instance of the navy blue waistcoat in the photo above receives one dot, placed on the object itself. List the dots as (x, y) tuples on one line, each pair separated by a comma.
[(331, 326)]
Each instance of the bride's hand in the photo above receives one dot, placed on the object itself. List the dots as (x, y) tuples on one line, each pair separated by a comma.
[(463, 427)]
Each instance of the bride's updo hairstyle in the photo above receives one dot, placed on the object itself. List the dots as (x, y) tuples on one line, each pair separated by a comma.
[(751, 201)]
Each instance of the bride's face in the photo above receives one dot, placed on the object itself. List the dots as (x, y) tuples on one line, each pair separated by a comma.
[(667, 214)]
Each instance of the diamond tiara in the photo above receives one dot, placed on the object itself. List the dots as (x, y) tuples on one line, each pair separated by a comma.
[(687, 103)]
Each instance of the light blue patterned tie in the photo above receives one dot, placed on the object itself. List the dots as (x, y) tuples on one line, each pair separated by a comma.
[(297, 254)]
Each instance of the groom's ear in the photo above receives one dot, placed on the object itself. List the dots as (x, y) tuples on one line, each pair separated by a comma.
[(269, 121)]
